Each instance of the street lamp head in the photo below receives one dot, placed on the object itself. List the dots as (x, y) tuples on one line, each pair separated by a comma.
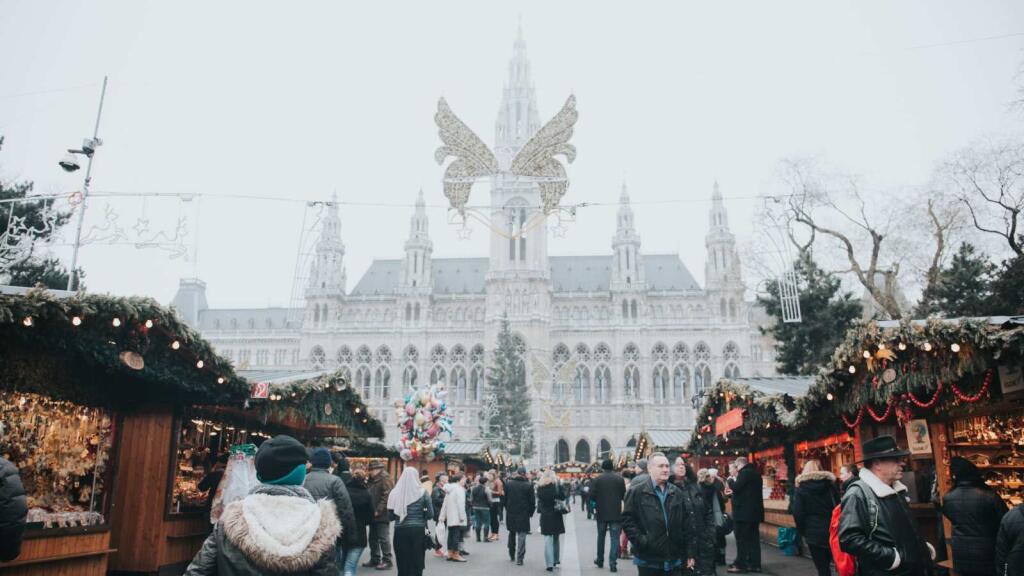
[(69, 162), (89, 146)]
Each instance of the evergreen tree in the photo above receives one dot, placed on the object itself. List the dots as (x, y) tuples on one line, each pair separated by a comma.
[(1008, 288), (507, 415), (962, 289), (32, 269), (826, 315)]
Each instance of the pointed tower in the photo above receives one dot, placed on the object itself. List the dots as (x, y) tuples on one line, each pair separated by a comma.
[(416, 277), (722, 274), (628, 272), (518, 119), (325, 290)]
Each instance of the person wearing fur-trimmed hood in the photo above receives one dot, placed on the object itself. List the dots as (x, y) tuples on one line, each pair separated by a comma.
[(278, 528), (814, 499)]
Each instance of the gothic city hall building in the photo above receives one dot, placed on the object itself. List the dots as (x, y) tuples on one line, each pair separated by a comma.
[(614, 344)]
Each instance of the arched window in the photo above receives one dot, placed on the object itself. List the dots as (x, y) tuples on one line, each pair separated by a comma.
[(701, 352), (631, 353), (437, 376), (631, 382), (583, 451), (515, 213), (604, 449), (411, 354), (701, 378), (581, 385), (625, 309), (732, 371), (363, 355), (317, 357), (680, 353), (363, 382), (383, 355), (382, 381), (560, 355), (660, 381), (561, 451), (458, 355), (731, 351), (732, 308), (416, 312), (721, 307), (409, 378), (459, 381), (602, 353), (659, 353), (438, 355), (680, 377), (632, 309), (631, 443), (476, 383), (344, 355), (582, 352), (476, 355), (316, 314), (602, 385)]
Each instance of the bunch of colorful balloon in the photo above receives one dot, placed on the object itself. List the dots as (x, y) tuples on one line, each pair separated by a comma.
[(422, 419)]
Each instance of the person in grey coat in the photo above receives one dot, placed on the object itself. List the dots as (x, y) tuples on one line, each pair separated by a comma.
[(13, 511), (278, 528), (324, 485)]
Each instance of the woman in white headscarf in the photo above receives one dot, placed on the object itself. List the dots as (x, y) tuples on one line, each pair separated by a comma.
[(410, 506)]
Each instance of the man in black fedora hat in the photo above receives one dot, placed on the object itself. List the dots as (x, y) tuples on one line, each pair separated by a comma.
[(876, 525)]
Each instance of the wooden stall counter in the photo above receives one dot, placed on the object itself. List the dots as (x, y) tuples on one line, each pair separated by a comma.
[(78, 552)]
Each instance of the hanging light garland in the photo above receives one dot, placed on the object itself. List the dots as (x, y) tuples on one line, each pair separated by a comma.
[(883, 417), (972, 399), (935, 398)]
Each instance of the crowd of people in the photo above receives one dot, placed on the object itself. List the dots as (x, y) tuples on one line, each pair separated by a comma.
[(314, 514)]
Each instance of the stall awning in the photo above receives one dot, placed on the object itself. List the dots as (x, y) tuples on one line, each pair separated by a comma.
[(668, 438), (795, 386), (459, 449)]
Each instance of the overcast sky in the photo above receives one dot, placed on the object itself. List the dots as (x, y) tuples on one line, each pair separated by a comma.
[(302, 99)]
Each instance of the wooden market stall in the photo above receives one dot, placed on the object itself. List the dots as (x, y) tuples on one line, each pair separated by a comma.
[(672, 443), (764, 419), (469, 457), (84, 381), (942, 388)]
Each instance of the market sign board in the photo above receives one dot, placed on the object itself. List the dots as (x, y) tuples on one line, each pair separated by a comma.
[(731, 420), (260, 390)]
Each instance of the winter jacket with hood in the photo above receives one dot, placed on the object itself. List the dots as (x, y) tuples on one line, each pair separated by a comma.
[(815, 497), (322, 484), (885, 541), (13, 511), (747, 495), (362, 508), (1010, 543), (453, 509), (275, 529), (380, 487), (975, 511)]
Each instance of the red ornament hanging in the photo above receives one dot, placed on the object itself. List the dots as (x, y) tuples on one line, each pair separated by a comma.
[(856, 422), (928, 404), (883, 417), (984, 388)]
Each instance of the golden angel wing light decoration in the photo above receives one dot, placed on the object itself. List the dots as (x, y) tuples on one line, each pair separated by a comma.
[(535, 160), (473, 159), (537, 156)]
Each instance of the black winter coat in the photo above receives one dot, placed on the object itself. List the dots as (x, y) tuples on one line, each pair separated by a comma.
[(815, 497), (362, 508), (550, 519), (608, 491), (644, 523), (975, 511), (13, 511), (747, 495), (872, 528), (703, 518), (324, 485), (520, 504), (436, 500), (1010, 543)]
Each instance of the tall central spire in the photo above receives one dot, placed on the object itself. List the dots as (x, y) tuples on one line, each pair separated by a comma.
[(518, 119)]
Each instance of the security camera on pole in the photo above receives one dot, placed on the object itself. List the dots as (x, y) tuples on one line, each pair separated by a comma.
[(70, 163)]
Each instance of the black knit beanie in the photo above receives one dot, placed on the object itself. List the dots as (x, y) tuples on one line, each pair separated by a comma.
[(278, 456)]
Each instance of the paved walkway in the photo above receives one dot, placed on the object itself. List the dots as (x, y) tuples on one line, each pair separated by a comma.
[(578, 547)]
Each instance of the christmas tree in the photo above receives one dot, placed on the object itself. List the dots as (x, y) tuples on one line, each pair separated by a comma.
[(506, 417)]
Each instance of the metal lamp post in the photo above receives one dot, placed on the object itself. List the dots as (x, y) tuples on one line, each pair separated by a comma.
[(70, 164)]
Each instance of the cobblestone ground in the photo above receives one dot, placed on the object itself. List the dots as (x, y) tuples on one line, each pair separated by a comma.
[(578, 547)]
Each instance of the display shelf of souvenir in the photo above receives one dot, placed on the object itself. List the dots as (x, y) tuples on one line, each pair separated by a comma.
[(995, 444), (62, 451), (200, 441)]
